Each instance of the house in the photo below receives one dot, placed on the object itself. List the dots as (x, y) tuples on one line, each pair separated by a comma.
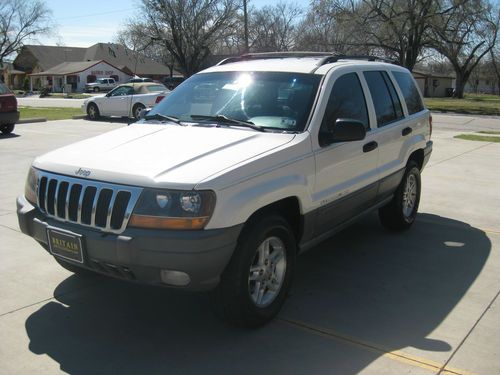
[(434, 85), (72, 76), (50, 64), (482, 84), (11, 76)]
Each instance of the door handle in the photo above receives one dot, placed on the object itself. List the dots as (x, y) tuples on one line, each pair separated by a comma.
[(406, 131), (370, 146)]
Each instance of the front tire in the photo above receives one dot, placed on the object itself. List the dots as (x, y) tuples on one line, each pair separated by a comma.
[(7, 128), (400, 213), (256, 281), (93, 112), (96, 89)]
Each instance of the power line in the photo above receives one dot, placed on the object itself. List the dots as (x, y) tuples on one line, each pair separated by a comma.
[(95, 14)]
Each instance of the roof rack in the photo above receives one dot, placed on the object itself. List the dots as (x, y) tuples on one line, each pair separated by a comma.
[(327, 57)]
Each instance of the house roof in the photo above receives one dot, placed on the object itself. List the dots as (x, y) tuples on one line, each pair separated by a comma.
[(117, 55), (120, 56), (67, 68), (431, 75), (49, 56)]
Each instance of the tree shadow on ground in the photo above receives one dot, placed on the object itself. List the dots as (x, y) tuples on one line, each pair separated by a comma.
[(384, 288)]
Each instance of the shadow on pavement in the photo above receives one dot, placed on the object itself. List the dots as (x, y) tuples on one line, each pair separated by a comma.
[(388, 289), (11, 135)]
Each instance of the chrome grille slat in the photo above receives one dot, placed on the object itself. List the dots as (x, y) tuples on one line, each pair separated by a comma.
[(110, 208), (94, 207), (102, 191)]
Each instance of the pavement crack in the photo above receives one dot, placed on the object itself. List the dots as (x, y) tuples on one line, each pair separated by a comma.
[(12, 229), (461, 154), (50, 298), (443, 368)]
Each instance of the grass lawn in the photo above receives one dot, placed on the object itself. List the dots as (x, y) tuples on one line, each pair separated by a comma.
[(476, 104), (478, 137), (49, 113)]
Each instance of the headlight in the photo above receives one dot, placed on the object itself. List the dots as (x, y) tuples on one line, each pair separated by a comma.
[(173, 209), (31, 185)]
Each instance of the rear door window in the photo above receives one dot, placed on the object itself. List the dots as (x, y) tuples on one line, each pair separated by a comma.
[(385, 100), (410, 92), (346, 101)]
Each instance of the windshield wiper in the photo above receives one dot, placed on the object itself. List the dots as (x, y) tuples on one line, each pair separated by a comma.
[(228, 120), (160, 117)]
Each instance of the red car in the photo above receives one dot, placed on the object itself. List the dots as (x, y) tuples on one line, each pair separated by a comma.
[(8, 110)]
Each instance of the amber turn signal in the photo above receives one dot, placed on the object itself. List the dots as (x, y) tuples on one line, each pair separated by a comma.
[(158, 222)]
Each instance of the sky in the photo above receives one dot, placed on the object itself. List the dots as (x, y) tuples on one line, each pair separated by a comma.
[(84, 23)]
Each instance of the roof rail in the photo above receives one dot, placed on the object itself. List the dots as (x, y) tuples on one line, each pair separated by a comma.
[(327, 57), (273, 55)]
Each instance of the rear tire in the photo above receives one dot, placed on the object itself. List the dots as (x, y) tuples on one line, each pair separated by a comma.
[(7, 128), (256, 281), (93, 112), (400, 213), (136, 111)]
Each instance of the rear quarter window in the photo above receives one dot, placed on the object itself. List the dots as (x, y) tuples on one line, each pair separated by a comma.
[(410, 92)]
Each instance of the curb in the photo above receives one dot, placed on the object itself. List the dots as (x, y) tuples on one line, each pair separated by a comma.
[(78, 117), (30, 120)]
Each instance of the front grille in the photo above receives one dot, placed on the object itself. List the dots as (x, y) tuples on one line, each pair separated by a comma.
[(99, 205)]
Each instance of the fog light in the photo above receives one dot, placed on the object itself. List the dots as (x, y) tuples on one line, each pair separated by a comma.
[(176, 278)]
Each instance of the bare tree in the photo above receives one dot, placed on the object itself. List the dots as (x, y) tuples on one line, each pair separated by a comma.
[(495, 64), (21, 20), (273, 28), (464, 36), (189, 29), (328, 26)]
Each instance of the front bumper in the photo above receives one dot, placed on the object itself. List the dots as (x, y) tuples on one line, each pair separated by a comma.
[(7, 118), (140, 254)]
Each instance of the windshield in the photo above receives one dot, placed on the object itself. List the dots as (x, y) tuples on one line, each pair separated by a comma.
[(277, 101)]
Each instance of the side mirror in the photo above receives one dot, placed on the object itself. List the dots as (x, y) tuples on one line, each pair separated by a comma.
[(344, 130)]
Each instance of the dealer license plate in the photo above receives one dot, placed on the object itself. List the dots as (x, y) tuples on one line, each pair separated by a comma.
[(65, 244)]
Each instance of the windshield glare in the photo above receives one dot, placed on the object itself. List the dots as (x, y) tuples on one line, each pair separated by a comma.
[(280, 101)]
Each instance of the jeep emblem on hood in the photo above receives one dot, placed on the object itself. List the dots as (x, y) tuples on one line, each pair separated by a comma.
[(82, 172)]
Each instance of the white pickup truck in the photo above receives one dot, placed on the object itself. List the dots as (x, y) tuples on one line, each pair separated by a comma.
[(101, 84), (244, 166)]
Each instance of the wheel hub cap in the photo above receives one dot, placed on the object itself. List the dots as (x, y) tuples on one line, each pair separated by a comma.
[(409, 195), (267, 271)]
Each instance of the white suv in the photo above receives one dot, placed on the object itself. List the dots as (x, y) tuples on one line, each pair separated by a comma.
[(244, 166)]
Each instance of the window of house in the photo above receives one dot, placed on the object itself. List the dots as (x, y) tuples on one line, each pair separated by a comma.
[(387, 105), (410, 92), (346, 101)]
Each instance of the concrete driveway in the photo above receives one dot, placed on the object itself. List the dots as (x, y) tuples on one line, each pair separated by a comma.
[(366, 301)]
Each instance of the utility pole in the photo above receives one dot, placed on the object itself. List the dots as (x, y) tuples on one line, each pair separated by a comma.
[(245, 18)]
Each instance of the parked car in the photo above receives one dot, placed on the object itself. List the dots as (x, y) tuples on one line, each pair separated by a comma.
[(243, 167), (139, 79), (173, 82), (101, 84), (9, 114), (127, 100)]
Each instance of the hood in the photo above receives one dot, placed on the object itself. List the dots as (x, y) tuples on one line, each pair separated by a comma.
[(160, 155)]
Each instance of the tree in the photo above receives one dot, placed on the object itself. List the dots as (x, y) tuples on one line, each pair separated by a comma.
[(328, 27), (464, 36), (21, 20), (189, 29), (273, 27)]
